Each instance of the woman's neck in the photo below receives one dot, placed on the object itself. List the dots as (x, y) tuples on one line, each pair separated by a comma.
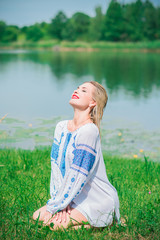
[(78, 121)]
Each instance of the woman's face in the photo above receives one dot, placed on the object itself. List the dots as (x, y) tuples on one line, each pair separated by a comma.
[(82, 97)]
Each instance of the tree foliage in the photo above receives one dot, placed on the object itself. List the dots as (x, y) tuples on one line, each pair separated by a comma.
[(97, 25), (57, 25), (149, 21), (80, 24), (2, 29), (34, 32), (8, 33), (135, 21), (114, 22)]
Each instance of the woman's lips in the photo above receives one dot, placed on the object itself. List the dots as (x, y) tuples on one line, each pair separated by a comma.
[(75, 96)]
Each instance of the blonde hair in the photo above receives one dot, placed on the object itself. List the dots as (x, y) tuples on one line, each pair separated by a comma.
[(100, 97)]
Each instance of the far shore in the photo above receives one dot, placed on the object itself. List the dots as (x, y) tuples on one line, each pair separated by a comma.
[(65, 46)]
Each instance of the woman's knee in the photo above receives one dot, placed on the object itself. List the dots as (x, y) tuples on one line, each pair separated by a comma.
[(39, 213), (35, 215), (77, 217)]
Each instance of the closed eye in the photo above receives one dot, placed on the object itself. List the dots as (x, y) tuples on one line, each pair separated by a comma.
[(84, 89)]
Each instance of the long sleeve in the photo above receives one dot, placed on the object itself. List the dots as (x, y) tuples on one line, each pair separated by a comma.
[(55, 181), (80, 171)]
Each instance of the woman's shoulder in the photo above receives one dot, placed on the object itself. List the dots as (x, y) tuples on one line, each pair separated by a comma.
[(61, 125), (89, 129), (88, 136)]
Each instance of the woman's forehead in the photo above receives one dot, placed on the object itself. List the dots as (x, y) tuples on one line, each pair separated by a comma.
[(86, 85)]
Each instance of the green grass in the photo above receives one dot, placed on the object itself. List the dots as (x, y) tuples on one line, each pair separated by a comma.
[(57, 45), (25, 177)]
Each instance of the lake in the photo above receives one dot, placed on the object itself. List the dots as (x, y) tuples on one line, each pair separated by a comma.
[(35, 88)]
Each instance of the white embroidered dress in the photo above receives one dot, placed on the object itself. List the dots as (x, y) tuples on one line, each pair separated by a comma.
[(78, 175)]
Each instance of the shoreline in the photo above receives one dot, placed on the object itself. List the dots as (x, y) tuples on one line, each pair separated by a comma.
[(38, 133), (64, 46)]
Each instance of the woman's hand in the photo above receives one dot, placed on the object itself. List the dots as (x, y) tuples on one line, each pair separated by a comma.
[(62, 215)]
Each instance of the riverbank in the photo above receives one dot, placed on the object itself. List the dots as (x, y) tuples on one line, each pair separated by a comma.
[(128, 142), (84, 46), (25, 177)]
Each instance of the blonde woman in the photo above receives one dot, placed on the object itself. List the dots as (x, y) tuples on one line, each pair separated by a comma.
[(79, 188)]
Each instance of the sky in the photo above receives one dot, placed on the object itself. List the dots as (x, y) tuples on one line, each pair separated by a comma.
[(28, 12)]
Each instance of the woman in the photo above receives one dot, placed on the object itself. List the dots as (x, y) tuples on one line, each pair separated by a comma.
[(79, 188)]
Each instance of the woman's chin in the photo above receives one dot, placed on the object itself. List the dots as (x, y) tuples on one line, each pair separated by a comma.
[(73, 102)]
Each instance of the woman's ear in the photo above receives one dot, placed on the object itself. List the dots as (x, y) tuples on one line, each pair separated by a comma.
[(92, 104)]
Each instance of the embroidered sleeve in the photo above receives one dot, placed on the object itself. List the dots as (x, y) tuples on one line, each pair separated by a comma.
[(54, 155), (82, 168)]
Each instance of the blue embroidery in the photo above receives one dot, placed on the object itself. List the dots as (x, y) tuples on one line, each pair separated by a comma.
[(79, 171), (85, 145), (55, 147), (73, 179), (83, 159), (79, 191), (66, 195), (73, 145), (54, 151), (62, 164), (55, 139)]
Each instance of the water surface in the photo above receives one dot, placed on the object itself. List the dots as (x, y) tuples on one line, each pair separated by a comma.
[(38, 85)]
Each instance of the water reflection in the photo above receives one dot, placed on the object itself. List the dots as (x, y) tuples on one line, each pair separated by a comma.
[(31, 82), (136, 73)]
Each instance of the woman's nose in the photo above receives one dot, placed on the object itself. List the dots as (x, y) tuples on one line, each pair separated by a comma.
[(76, 91)]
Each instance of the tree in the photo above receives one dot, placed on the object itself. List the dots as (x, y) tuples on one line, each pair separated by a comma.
[(10, 34), (2, 29), (96, 25), (149, 20), (134, 19), (114, 23), (34, 32), (45, 28), (68, 33), (57, 25), (80, 23), (157, 34)]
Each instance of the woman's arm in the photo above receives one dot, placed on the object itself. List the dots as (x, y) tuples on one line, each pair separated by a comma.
[(54, 182)]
